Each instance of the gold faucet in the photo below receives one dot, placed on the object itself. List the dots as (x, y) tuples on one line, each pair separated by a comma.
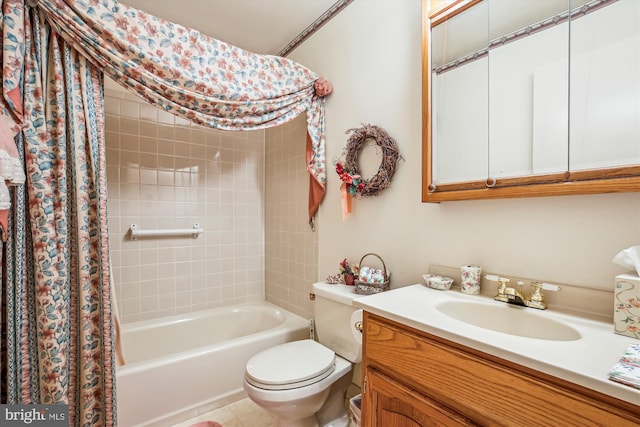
[(502, 288), (536, 300), (512, 296)]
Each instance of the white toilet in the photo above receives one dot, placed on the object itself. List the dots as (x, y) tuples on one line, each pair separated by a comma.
[(303, 383)]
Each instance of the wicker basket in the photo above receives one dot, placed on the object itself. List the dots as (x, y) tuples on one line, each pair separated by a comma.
[(369, 288)]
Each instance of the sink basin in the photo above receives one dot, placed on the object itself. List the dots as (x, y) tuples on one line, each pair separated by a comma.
[(508, 319)]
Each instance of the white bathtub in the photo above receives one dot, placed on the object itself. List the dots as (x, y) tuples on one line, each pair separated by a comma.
[(178, 367)]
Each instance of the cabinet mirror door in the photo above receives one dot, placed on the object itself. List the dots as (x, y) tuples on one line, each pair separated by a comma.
[(528, 87), (460, 96), (531, 98), (605, 87)]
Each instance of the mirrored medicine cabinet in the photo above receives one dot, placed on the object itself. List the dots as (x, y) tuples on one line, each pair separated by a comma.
[(530, 98)]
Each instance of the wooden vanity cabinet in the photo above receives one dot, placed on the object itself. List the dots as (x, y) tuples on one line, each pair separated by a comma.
[(412, 378)]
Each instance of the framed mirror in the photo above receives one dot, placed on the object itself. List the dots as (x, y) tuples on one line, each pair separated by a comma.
[(530, 98)]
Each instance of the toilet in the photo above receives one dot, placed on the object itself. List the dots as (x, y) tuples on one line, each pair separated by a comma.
[(303, 383)]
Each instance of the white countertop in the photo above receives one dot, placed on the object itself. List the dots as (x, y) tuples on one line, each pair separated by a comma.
[(585, 361)]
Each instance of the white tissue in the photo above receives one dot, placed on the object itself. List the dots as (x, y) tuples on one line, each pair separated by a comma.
[(629, 258)]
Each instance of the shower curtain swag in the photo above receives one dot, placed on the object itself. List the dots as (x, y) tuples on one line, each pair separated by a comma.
[(57, 328), (184, 72)]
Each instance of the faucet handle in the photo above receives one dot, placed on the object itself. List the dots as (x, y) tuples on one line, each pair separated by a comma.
[(536, 300), (536, 294), (502, 287), (503, 282)]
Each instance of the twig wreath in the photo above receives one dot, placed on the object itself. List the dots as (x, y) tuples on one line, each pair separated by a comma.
[(349, 173)]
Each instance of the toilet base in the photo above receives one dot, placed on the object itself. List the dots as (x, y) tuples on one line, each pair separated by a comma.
[(334, 412), (323, 407)]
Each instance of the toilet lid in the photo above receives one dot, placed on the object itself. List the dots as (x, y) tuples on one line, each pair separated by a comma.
[(290, 365)]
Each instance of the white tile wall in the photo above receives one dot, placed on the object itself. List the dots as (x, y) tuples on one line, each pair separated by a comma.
[(164, 172), (291, 247)]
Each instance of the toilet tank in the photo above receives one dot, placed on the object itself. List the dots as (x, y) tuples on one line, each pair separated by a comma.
[(332, 312)]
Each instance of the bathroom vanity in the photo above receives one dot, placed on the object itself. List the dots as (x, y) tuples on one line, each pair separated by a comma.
[(423, 367)]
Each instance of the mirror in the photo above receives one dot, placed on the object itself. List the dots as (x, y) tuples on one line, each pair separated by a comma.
[(460, 95), (530, 98)]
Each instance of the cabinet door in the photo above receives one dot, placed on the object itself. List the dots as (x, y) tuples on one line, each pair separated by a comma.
[(391, 404), (483, 388)]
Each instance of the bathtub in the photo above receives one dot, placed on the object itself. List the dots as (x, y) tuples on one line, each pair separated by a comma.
[(180, 366)]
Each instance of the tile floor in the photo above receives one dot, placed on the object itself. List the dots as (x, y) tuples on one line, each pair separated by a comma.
[(243, 413)]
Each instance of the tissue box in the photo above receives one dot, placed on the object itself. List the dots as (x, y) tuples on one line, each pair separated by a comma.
[(626, 312)]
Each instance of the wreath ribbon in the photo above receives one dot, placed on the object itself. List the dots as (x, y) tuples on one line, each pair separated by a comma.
[(348, 188), (346, 201)]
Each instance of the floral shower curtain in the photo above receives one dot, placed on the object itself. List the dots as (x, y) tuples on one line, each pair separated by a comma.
[(58, 323), (57, 344)]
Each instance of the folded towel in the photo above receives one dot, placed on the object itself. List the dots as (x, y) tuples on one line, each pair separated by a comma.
[(11, 172), (627, 370), (373, 275)]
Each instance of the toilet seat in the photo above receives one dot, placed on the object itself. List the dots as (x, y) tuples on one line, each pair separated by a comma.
[(291, 365)]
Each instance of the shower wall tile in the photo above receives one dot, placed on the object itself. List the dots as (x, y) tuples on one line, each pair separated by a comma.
[(164, 172), (291, 247)]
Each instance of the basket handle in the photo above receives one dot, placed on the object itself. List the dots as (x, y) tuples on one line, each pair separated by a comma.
[(384, 267)]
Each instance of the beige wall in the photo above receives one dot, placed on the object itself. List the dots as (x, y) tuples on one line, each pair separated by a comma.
[(371, 53), (291, 248), (163, 173)]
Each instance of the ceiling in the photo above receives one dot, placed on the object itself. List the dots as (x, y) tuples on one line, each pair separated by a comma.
[(260, 26)]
